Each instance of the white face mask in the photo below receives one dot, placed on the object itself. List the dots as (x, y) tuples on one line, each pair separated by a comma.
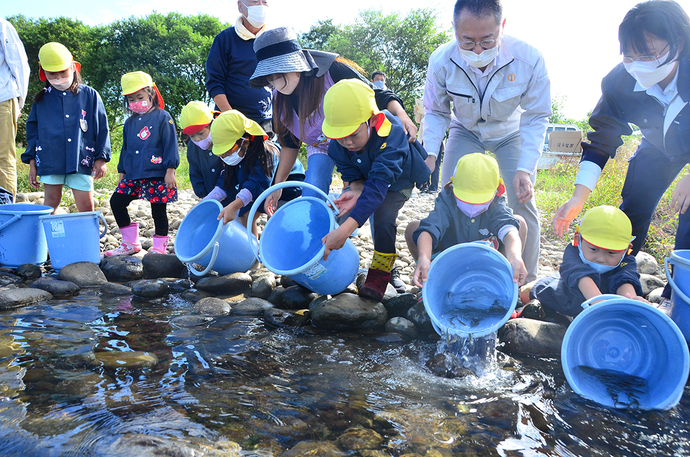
[(233, 159), (206, 143), (61, 83), (380, 84), (649, 73), (470, 209), (601, 269), (479, 60), (257, 14)]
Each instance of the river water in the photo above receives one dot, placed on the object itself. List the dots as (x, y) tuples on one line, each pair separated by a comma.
[(97, 376)]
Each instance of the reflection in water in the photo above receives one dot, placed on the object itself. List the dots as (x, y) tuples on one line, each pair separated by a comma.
[(231, 386)]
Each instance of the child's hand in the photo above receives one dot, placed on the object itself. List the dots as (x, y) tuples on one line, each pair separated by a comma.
[(122, 176), (681, 195), (334, 240), (99, 169), (170, 181), (347, 201), (519, 270), (227, 214), (422, 271), (638, 298), (33, 173), (271, 202)]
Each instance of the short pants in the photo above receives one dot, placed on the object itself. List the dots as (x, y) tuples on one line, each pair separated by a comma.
[(77, 181), (153, 190)]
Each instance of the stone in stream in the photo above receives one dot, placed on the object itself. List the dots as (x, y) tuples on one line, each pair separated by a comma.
[(150, 288), (17, 298), (56, 287), (83, 274), (235, 283), (403, 326), (349, 312), (112, 288), (8, 278), (211, 306), (447, 365), (163, 266), (297, 297), (531, 337), (263, 284), (129, 359), (275, 317), (320, 448), (122, 268), (252, 306), (29, 271)]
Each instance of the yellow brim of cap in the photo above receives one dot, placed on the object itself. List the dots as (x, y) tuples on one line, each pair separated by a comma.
[(603, 242)]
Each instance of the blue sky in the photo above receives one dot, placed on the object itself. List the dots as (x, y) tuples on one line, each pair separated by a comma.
[(578, 38)]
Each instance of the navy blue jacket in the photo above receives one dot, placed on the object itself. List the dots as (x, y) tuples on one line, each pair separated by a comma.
[(149, 146), (55, 137), (230, 63), (204, 169), (559, 292), (449, 226), (390, 159), (620, 105)]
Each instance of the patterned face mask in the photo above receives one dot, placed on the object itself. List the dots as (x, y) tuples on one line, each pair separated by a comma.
[(139, 107)]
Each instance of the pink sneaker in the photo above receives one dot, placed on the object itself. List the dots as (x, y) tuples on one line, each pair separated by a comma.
[(125, 248)]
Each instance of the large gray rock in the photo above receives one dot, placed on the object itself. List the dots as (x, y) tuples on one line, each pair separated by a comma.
[(56, 287), (163, 266), (400, 304), (655, 295), (297, 297), (252, 306), (83, 274), (193, 295), (403, 326), (530, 337), (150, 288), (8, 278), (349, 312), (211, 306), (263, 284), (418, 315), (646, 264), (112, 288), (122, 268), (17, 298), (649, 283), (232, 284), (29, 271)]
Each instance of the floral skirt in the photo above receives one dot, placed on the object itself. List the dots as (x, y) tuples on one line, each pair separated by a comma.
[(153, 190)]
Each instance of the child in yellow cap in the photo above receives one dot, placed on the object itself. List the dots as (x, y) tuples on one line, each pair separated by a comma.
[(147, 164), (373, 154), (68, 141), (472, 207), (597, 262)]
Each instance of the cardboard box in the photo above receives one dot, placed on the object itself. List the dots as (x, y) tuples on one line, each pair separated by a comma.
[(567, 141)]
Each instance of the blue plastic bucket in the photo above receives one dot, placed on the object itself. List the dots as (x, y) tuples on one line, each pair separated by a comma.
[(680, 286), (623, 353), (290, 243), (22, 239), (203, 239), (469, 291), (74, 237)]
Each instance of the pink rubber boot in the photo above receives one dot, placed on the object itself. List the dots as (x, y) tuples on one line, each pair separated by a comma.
[(160, 245), (130, 241)]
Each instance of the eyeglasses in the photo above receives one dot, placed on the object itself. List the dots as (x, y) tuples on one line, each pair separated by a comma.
[(485, 44), (647, 58)]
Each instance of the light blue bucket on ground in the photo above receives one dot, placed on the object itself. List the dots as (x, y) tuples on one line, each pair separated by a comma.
[(290, 243), (74, 237), (623, 353), (680, 285), (469, 291), (22, 239), (204, 240)]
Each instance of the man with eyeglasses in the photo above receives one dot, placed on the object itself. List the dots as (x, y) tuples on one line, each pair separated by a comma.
[(493, 92)]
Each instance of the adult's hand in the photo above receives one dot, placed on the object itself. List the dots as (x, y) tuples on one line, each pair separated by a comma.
[(431, 162), (410, 128), (271, 203), (524, 190), (570, 209), (681, 195)]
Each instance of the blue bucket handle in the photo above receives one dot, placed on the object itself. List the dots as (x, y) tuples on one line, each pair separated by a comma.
[(214, 256), (671, 282), (105, 225), (587, 303), (14, 219), (260, 199)]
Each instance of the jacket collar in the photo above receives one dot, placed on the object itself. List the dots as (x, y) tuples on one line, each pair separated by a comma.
[(684, 78)]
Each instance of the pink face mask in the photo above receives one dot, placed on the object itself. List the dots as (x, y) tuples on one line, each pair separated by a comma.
[(472, 210), (139, 107)]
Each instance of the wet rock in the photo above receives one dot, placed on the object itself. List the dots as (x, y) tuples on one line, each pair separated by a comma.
[(190, 321), (252, 306), (176, 285), (447, 365), (649, 283), (17, 298), (212, 306), (8, 278), (29, 271), (399, 304), (83, 274), (130, 359), (349, 312), (418, 316), (530, 337), (235, 283), (321, 298), (263, 285), (320, 448), (358, 438), (275, 317), (112, 288), (287, 281), (646, 264), (194, 295), (655, 295), (390, 338), (276, 296), (297, 297), (150, 288), (122, 268), (56, 287), (163, 266), (403, 326)]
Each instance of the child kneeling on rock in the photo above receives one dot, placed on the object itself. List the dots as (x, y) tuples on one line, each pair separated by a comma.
[(373, 154), (597, 262), (472, 207)]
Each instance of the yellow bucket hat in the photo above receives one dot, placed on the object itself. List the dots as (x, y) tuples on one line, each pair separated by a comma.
[(606, 227), (346, 105), (195, 116), (54, 57), (229, 127), (135, 81), (476, 179)]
